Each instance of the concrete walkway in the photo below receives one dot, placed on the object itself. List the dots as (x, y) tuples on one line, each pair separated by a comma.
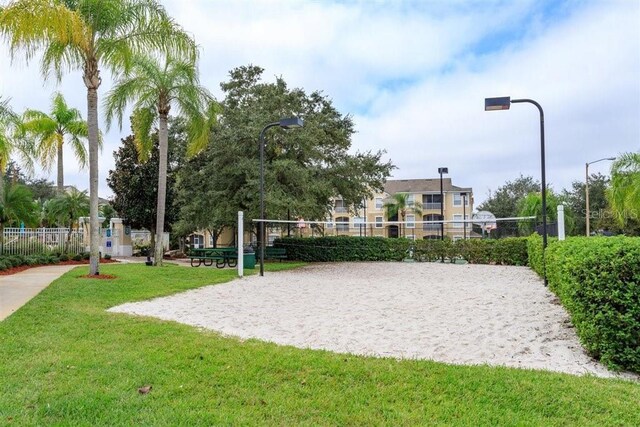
[(17, 289)]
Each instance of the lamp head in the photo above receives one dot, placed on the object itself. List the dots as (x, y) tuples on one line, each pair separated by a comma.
[(291, 122), (443, 170), (500, 103)]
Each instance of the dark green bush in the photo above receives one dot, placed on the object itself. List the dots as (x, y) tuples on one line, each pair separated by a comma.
[(534, 252), (63, 257), (107, 256), (3, 265), (77, 257), (344, 248), (598, 281), (476, 251), (86, 255), (509, 251)]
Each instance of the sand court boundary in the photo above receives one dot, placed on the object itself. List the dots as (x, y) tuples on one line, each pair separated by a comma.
[(459, 314)]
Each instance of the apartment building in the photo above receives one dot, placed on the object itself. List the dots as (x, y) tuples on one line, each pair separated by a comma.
[(424, 194)]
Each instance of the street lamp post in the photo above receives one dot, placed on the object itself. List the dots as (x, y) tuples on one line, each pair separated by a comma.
[(504, 103), (586, 191), (464, 214), (442, 171), (288, 123)]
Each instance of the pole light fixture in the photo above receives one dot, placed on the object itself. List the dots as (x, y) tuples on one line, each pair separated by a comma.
[(286, 123), (442, 171), (464, 213), (586, 191), (504, 103)]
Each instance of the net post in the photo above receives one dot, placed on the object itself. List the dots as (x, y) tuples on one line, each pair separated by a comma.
[(240, 243)]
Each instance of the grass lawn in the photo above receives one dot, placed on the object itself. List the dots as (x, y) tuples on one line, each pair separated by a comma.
[(65, 361)]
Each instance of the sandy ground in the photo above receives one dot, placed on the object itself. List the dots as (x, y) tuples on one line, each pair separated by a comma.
[(460, 314)]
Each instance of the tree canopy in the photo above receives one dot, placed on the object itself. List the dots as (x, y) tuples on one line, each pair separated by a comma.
[(304, 168), (503, 203), (135, 183)]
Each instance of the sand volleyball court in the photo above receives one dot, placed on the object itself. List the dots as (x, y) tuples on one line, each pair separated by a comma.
[(460, 314)]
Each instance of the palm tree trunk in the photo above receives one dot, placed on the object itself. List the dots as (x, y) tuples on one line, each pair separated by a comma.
[(61, 169), (163, 148), (92, 122)]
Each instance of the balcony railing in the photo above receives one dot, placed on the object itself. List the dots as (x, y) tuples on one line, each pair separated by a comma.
[(431, 226), (340, 209), (431, 205)]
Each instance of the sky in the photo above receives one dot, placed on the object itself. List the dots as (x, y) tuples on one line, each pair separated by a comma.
[(414, 75)]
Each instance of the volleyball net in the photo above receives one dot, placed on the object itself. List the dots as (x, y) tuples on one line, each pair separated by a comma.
[(456, 229)]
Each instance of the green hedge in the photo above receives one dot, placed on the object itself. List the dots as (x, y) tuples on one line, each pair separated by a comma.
[(534, 252), (509, 251), (598, 281), (10, 261)]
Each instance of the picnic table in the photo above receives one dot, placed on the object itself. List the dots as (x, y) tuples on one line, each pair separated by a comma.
[(221, 256)]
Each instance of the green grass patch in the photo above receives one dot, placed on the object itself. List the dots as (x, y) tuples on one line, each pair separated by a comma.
[(65, 361)]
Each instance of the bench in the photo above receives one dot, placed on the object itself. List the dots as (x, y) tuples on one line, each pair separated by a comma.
[(275, 253), (221, 256)]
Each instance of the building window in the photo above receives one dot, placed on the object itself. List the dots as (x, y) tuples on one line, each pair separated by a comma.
[(411, 199), (457, 224), (411, 236), (410, 222), (431, 201), (340, 206), (433, 226), (457, 199), (342, 223), (379, 203), (378, 222)]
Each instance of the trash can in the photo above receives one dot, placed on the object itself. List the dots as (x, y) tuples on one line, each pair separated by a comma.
[(249, 257)]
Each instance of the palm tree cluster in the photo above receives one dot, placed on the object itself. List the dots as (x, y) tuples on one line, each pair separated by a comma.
[(154, 60)]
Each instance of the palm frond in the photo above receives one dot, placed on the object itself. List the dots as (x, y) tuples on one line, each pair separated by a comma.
[(142, 121)]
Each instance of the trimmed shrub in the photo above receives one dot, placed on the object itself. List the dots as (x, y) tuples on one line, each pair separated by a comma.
[(344, 248), (63, 257), (476, 251), (598, 281), (3, 265), (534, 252), (77, 257), (107, 256), (509, 251)]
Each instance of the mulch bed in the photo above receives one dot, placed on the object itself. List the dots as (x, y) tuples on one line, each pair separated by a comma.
[(14, 270), (98, 276)]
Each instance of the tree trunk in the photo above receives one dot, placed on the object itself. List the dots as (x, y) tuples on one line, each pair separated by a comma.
[(61, 168), (163, 146), (94, 225)]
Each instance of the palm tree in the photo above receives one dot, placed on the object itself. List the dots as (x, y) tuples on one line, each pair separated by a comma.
[(85, 35), (50, 132), (16, 205), (12, 140), (531, 205), (153, 89), (624, 193), (68, 207), (399, 205)]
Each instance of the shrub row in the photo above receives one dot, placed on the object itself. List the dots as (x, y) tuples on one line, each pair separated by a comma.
[(10, 261), (509, 251), (597, 279)]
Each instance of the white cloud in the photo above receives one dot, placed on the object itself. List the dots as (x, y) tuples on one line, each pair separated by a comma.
[(415, 77)]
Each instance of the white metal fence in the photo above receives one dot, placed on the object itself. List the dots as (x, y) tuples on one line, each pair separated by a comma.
[(27, 241)]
